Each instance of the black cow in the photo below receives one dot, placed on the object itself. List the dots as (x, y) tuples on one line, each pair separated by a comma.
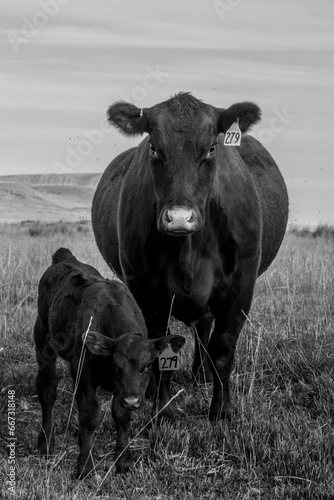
[(74, 298), (184, 216)]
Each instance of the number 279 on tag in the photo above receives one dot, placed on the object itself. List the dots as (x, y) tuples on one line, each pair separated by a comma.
[(233, 135)]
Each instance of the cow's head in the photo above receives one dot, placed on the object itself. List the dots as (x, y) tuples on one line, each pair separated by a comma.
[(131, 359), (181, 150)]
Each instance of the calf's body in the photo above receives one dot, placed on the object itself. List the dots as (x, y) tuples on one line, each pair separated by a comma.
[(76, 304)]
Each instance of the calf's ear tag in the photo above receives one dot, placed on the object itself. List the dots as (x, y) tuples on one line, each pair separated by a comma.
[(233, 135), (168, 360)]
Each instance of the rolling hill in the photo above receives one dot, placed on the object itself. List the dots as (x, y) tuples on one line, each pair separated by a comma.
[(47, 197)]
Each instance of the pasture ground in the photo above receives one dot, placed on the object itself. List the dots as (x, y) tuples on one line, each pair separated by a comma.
[(280, 444)]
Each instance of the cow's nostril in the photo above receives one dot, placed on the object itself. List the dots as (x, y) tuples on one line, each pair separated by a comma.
[(191, 216), (169, 217)]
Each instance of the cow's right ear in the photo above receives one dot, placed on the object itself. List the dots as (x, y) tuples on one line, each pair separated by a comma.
[(247, 113), (97, 343), (128, 118)]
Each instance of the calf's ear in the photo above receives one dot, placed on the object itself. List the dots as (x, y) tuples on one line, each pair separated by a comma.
[(97, 343), (128, 118), (176, 342), (247, 113)]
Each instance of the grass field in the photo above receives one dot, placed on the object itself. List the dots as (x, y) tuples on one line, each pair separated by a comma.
[(280, 444)]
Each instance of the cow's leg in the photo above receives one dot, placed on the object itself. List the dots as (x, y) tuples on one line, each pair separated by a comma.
[(201, 369), (229, 321), (46, 385), (122, 419), (161, 406), (157, 326), (89, 419)]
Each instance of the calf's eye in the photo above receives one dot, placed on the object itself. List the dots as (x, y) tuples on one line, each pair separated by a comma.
[(153, 151), (147, 367)]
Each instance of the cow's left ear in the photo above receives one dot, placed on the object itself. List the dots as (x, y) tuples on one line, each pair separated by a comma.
[(248, 114), (176, 342), (128, 118), (97, 343)]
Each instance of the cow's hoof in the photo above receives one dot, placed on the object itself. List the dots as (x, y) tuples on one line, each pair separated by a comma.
[(123, 467), (84, 467), (168, 413)]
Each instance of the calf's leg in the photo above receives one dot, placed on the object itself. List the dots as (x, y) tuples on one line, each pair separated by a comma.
[(122, 419), (46, 385), (89, 420)]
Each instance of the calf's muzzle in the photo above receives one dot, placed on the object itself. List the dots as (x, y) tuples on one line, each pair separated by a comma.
[(131, 403)]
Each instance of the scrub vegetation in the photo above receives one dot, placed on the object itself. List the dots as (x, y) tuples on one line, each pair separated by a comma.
[(280, 444)]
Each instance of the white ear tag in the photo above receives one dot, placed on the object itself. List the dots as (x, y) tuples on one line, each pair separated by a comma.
[(233, 135), (168, 360)]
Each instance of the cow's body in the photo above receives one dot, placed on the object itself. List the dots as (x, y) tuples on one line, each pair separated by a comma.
[(75, 299), (184, 218)]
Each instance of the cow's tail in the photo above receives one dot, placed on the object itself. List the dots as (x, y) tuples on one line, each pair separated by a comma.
[(60, 255)]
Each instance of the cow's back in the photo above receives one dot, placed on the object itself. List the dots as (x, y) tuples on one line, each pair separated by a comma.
[(272, 196), (105, 207)]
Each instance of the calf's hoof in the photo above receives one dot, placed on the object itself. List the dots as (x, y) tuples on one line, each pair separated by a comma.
[(46, 446), (223, 412)]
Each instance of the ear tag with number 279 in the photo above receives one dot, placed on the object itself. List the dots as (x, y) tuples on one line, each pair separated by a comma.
[(168, 360), (233, 135)]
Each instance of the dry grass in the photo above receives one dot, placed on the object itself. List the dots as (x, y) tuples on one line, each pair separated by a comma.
[(281, 442)]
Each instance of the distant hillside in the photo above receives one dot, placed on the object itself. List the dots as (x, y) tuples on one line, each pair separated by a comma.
[(77, 179), (47, 197)]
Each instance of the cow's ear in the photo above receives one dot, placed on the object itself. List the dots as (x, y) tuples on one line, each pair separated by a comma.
[(247, 113), (97, 343), (176, 342), (128, 118)]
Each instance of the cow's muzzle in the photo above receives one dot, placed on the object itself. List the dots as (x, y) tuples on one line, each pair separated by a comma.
[(179, 220), (131, 403)]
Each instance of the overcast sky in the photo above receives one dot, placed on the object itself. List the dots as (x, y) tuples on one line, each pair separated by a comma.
[(63, 62)]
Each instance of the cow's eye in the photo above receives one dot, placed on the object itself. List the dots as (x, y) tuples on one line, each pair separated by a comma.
[(153, 151), (212, 150)]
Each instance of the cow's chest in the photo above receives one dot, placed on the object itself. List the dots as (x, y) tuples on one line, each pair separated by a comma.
[(190, 285)]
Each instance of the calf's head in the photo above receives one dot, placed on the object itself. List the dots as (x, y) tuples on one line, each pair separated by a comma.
[(181, 152), (131, 359)]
